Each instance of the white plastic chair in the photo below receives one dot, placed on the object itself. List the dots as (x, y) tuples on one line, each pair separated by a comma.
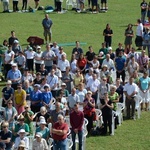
[(113, 123), (71, 3), (31, 138), (99, 121), (50, 143), (138, 105), (85, 123), (67, 120), (70, 144), (120, 108)]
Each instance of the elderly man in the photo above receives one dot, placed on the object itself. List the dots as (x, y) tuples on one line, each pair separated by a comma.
[(109, 62), (130, 90), (47, 24), (48, 56), (76, 125), (39, 143), (73, 98), (14, 75), (59, 134)]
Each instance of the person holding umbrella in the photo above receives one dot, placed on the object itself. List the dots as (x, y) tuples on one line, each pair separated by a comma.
[(47, 24)]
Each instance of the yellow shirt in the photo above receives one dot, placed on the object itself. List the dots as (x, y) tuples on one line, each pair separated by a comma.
[(19, 97), (77, 80)]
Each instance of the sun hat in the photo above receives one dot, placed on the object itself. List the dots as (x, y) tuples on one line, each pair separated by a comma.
[(42, 121), (89, 92), (22, 144), (21, 117), (38, 47), (16, 41), (105, 66), (21, 131), (8, 82), (109, 48), (38, 134), (14, 65), (46, 86), (37, 85), (63, 84)]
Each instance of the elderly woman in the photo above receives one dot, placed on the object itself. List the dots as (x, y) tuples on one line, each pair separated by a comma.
[(132, 65), (28, 118), (10, 114), (7, 93), (5, 135), (89, 110), (35, 99), (43, 129), (104, 71), (144, 84), (106, 107), (39, 143), (43, 112), (19, 99)]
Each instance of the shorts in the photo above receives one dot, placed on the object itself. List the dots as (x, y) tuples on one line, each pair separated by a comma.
[(94, 2), (145, 96), (138, 41), (47, 32), (104, 1)]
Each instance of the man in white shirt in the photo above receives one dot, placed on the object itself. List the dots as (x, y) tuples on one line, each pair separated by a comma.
[(92, 85), (52, 81), (130, 91), (63, 63), (73, 98), (59, 54), (109, 62)]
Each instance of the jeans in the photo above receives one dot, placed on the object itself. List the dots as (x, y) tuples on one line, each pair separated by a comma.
[(60, 145), (80, 136), (143, 14)]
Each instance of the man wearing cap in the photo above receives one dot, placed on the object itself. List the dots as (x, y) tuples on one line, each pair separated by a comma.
[(14, 75), (48, 56), (30, 54), (59, 134), (39, 143), (22, 137), (16, 48), (47, 24), (38, 58)]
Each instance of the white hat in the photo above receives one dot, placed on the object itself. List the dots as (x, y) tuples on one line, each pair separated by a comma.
[(42, 121), (101, 53), (38, 134), (14, 65), (21, 131), (109, 48), (89, 92), (16, 41), (22, 144), (9, 82), (38, 47), (63, 84), (46, 86), (37, 85)]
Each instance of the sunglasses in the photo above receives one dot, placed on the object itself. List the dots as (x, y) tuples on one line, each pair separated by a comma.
[(4, 126), (9, 103)]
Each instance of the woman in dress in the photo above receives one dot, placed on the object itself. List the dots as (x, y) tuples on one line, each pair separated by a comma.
[(128, 38)]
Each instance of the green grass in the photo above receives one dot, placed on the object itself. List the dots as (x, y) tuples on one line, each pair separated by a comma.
[(69, 27)]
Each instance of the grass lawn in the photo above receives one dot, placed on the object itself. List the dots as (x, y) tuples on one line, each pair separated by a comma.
[(71, 26)]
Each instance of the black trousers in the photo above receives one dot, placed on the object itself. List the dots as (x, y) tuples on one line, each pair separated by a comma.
[(15, 6), (90, 122), (24, 2), (7, 68), (30, 63), (122, 74), (37, 67), (58, 5), (107, 118)]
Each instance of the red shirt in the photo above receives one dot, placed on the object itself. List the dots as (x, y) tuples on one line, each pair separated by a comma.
[(76, 120), (82, 62), (57, 126)]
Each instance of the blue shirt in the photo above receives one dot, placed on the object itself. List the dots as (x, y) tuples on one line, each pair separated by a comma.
[(144, 83), (120, 62), (35, 96), (46, 97), (7, 92), (14, 74), (47, 23)]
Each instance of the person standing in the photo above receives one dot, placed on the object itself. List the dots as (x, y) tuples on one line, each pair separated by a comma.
[(143, 11), (76, 125), (12, 38), (15, 6), (130, 91), (59, 134), (139, 34), (47, 24), (108, 33)]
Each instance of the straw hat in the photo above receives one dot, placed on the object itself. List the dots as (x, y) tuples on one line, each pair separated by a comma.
[(9, 82), (22, 144), (89, 92), (21, 117)]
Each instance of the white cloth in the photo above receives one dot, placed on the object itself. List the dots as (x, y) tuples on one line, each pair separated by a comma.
[(139, 30), (63, 64), (93, 84), (8, 56), (110, 63), (59, 56), (72, 100), (144, 96), (38, 56), (17, 142), (81, 94), (40, 145), (52, 81), (55, 50), (30, 54), (130, 88)]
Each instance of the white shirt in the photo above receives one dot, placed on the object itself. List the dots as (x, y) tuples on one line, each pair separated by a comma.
[(63, 64), (52, 81), (110, 63), (73, 65), (59, 56), (139, 30), (73, 99), (17, 142), (8, 56), (55, 49), (130, 88), (38, 56), (93, 84), (81, 94), (40, 145), (30, 54)]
